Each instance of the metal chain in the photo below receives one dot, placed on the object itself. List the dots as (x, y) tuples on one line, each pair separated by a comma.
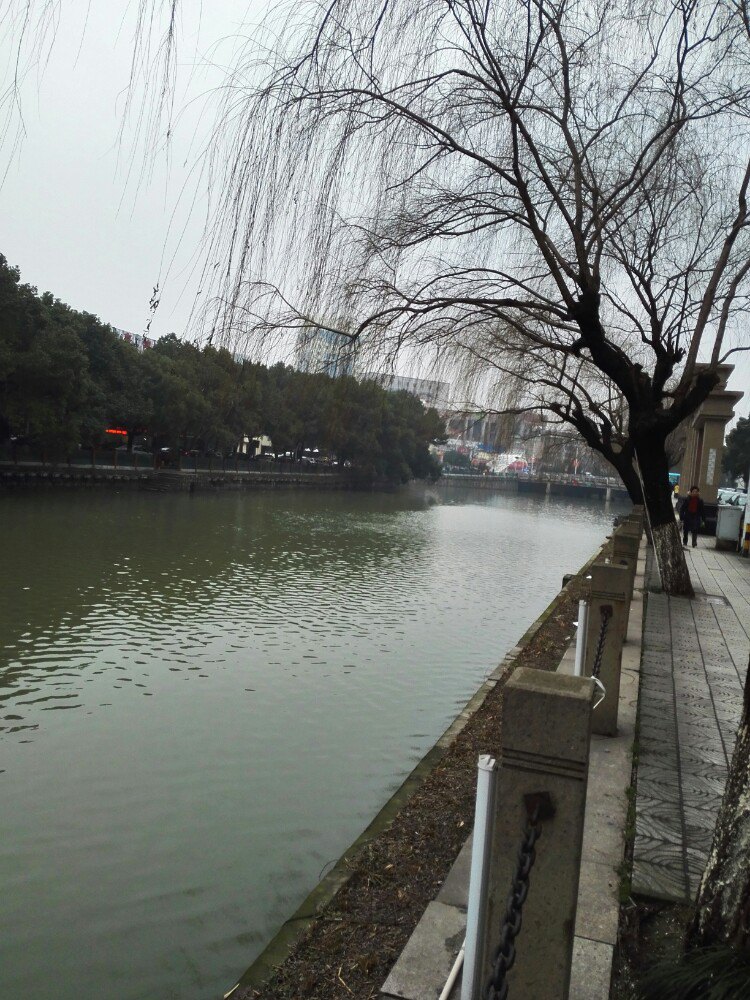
[(606, 613), (505, 953)]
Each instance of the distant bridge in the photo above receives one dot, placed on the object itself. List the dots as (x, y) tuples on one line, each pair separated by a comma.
[(541, 485)]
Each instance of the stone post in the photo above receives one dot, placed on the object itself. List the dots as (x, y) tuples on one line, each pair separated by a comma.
[(626, 541), (701, 461), (546, 731), (637, 515), (610, 587)]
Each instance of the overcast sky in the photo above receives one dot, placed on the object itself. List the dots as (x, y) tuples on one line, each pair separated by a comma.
[(76, 213), (78, 216)]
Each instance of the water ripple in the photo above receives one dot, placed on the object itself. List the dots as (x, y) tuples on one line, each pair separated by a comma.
[(300, 653)]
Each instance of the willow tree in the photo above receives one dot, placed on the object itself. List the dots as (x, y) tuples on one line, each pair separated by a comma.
[(553, 188)]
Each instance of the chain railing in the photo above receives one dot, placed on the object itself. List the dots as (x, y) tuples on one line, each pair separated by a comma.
[(538, 808), (606, 612)]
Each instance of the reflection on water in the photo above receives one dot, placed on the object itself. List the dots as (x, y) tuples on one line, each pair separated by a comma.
[(204, 699)]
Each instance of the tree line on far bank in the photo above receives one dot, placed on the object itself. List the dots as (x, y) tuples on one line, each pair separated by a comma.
[(65, 378)]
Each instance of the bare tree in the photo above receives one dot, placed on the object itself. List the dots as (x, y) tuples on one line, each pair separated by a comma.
[(557, 187)]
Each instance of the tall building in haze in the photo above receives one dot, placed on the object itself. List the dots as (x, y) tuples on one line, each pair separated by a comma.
[(324, 352)]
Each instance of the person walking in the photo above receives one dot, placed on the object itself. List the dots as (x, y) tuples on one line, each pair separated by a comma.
[(692, 515)]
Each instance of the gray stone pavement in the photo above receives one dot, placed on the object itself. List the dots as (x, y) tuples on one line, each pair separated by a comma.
[(695, 655)]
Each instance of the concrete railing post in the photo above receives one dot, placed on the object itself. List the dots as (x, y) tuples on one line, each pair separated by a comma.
[(631, 530), (638, 513), (610, 587), (546, 731), (626, 541)]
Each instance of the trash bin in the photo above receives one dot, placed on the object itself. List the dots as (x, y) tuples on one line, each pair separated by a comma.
[(728, 525)]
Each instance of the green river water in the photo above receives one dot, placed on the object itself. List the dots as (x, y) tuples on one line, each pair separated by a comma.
[(206, 698)]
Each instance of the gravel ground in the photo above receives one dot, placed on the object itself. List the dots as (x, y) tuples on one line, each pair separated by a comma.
[(348, 950), (649, 933)]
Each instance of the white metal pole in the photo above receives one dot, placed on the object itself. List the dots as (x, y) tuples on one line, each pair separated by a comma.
[(451, 980), (478, 884), (583, 626)]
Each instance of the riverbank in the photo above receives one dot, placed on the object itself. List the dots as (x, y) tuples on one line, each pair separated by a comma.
[(348, 933), (30, 475), (654, 793), (166, 480), (537, 485)]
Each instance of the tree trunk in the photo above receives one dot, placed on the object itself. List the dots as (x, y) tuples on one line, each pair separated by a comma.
[(630, 479), (665, 533), (722, 910)]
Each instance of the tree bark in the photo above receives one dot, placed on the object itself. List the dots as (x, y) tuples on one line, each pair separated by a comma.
[(722, 910), (631, 481), (665, 533)]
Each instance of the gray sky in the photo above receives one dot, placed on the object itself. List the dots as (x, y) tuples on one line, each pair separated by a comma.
[(78, 217)]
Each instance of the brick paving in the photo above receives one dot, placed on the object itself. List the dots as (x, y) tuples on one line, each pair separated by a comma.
[(695, 655)]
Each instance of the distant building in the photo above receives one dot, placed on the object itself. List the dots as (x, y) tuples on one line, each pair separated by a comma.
[(140, 343), (256, 446), (501, 441), (472, 428), (493, 432), (430, 391), (324, 352)]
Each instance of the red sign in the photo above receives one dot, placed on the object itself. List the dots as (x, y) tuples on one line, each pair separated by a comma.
[(116, 430)]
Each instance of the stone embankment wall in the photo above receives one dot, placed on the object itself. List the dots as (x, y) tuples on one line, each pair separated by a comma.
[(164, 480), (497, 483), (527, 484)]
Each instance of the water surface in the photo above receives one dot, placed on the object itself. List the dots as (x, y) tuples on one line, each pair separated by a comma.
[(206, 698)]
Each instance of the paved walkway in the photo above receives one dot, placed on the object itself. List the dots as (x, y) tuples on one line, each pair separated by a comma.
[(695, 655)]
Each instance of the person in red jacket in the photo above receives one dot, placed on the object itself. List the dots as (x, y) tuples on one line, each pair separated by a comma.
[(691, 515)]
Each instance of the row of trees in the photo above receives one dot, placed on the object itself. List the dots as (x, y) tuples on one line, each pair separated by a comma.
[(736, 461), (65, 377)]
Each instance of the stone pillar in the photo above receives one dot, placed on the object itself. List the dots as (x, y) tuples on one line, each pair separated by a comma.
[(687, 464), (626, 541), (701, 461), (546, 731), (638, 515), (610, 587), (627, 537)]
